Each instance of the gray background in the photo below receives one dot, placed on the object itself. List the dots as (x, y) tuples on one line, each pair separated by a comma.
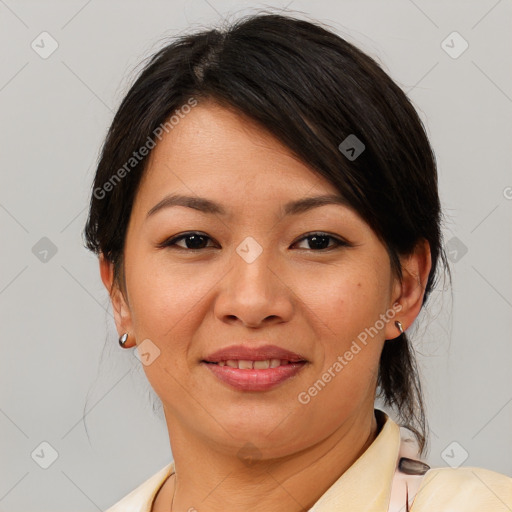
[(56, 321)]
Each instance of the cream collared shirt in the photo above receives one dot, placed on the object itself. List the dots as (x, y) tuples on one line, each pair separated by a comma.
[(367, 485)]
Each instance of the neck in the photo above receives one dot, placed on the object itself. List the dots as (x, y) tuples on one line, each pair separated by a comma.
[(212, 480)]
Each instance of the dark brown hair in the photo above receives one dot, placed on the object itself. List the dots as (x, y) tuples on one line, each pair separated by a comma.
[(311, 89)]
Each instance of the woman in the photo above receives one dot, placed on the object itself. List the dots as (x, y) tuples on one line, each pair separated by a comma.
[(268, 225)]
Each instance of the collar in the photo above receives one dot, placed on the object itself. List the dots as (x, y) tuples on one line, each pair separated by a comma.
[(366, 485)]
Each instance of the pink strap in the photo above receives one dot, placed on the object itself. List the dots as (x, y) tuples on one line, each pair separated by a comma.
[(405, 486)]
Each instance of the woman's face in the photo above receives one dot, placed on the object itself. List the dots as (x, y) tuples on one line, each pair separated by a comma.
[(254, 279)]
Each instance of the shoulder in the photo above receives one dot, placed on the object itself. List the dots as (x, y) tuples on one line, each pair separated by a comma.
[(140, 499), (463, 489)]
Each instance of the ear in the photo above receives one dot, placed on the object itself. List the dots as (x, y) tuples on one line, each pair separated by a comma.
[(409, 293), (120, 307)]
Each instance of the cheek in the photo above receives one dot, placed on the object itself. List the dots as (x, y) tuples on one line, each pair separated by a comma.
[(346, 299), (348, 356), (345, 307), (167, 304), (164, 297)]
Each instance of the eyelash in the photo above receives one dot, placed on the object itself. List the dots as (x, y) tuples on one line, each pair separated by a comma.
[(172, 241)]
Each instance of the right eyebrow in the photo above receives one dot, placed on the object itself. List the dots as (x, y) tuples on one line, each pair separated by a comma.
[(197, 203)]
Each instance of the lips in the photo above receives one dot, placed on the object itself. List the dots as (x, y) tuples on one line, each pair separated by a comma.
[(250, 368), (245, 353)]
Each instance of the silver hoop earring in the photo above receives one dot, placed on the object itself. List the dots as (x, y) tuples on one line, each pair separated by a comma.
[(399, 326), (122, 340)]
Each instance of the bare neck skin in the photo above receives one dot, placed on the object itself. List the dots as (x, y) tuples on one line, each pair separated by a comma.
[(212, 482)]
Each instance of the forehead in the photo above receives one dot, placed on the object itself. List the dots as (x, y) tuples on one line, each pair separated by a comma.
[(213, 148)]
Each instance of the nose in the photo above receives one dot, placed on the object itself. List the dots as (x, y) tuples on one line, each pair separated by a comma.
[(256, 293)]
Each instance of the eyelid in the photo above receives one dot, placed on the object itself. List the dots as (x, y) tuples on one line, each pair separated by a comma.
[(171, 241), (321, 233), (339, 241)]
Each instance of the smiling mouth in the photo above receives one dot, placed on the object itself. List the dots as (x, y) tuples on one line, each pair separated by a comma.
[(248, 375), (246, 364)]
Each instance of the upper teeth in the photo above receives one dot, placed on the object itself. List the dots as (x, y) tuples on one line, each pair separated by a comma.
[(258, 365)]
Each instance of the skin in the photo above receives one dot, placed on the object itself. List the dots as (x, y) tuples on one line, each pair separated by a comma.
[(308, 300)]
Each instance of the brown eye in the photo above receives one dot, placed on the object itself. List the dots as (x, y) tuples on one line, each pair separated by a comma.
[(196, 241), (192, 241), (320, 241)]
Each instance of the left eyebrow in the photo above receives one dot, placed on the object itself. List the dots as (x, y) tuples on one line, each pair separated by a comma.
[(308, 203)]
